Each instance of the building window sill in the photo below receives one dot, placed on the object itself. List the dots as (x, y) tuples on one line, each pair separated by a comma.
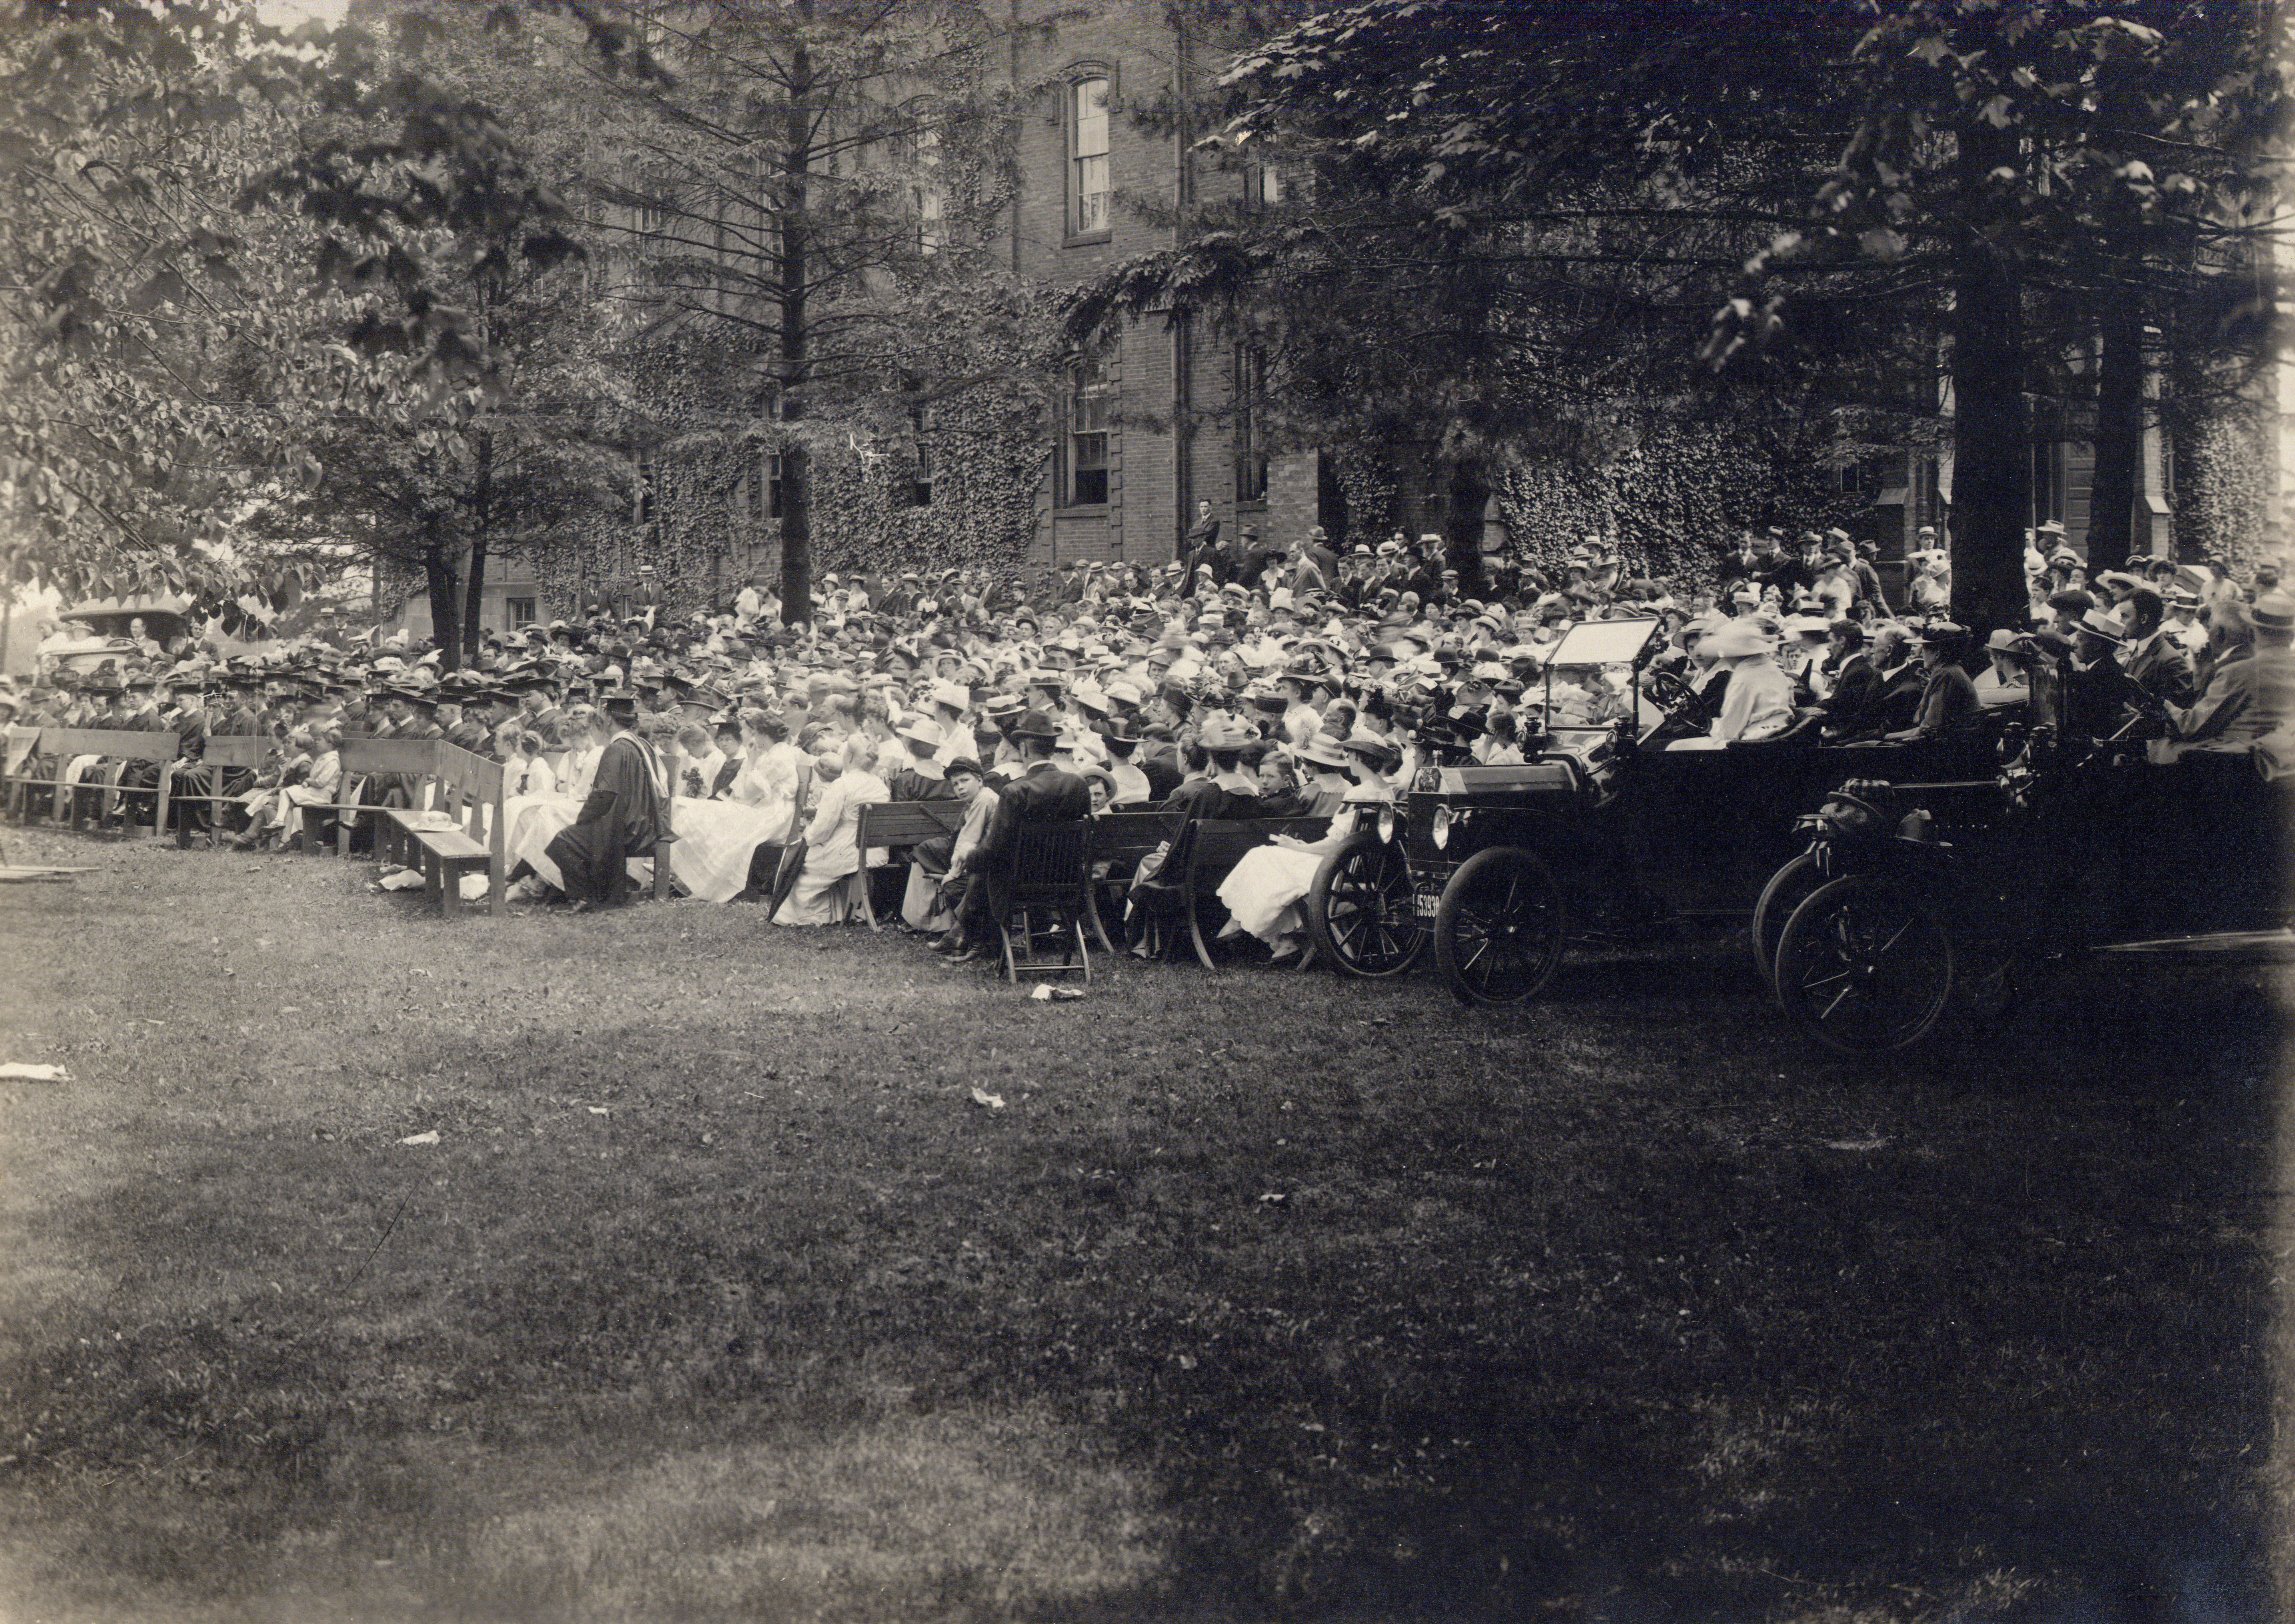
[(1088, 510), (1087, 239)]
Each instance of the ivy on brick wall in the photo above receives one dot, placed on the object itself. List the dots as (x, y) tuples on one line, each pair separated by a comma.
[(2226, 470), (704, 537), (1673, 495)]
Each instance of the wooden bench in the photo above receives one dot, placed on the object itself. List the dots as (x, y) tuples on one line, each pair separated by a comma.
[(63, 745), (900, 823), (470, 797), (1215, 847), (363, 759), (222, 753), (1119, 840)]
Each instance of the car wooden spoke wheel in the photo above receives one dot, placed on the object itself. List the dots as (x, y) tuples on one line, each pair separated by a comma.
[(1863, 967), (1499, 928), (1359, 909), (1788, 889)]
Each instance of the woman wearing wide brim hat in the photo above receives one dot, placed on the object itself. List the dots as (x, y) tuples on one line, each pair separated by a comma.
[(1758, 701)]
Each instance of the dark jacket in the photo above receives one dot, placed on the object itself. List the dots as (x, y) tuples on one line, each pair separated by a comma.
[(1854, 691)]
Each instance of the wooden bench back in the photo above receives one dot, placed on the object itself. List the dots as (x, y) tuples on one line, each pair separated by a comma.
[(468, 785), (1116, 836), (118, 743), (885, 823), (236, 750), (364, 757), (1220, 843)]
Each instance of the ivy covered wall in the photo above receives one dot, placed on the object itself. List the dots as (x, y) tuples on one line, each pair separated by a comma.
[(1674, 496), (2227, 468), (710, 527)]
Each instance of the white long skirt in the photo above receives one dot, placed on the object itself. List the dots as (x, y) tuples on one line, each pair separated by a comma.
[(1263, 892)]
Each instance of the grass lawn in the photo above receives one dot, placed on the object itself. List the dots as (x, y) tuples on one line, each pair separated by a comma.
[(1263, 1295)]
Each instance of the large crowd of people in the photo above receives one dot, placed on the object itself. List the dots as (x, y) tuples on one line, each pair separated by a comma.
[(1241, 678)]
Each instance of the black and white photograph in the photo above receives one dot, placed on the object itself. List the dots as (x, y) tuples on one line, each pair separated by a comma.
[(1147, 811)]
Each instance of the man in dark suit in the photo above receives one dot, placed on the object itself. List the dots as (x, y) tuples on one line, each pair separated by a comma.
[(1251, 558), (2155, 661), (1850, 708), (1318, 544), (1853, 678), (1202, 536), (1043, 793)]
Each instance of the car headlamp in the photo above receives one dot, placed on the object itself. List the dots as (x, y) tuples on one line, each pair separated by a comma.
[(1443, 819), (1386, 823)]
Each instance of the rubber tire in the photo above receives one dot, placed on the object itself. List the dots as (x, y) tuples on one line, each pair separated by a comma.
[(1788, 888), (1327, 944), (1475, 875), (1821, 914)]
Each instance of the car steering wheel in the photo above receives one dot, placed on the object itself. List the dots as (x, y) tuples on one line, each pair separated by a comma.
[(1673, 696)]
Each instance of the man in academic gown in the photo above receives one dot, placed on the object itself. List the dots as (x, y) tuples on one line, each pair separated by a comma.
[(620, 820)]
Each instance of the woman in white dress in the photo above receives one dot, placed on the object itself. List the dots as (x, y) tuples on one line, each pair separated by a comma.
[(832, 839), (313, 784), (1263, 892), (534, 821), (1758, 703), (769, 767), (718, 840)]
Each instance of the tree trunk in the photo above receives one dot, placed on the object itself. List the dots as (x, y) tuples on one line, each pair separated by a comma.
[(1463, 531), (2118, 439), (482, 492), (796, 266), (1992, 459), (446, 604)]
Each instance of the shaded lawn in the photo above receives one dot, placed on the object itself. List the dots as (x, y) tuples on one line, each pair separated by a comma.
[(1263, 1295)]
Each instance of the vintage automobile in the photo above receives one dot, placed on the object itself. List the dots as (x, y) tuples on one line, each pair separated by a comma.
[(1606, 830), (104, 629), (1936, 894)]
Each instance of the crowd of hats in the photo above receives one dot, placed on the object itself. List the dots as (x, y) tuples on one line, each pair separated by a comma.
[(1107, 640)]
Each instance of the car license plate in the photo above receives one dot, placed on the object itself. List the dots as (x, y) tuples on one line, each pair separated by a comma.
[(1424, 902)]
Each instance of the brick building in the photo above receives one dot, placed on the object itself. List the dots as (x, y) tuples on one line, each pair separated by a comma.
[(1165, 418)]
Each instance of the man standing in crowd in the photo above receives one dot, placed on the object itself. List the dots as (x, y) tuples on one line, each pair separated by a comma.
[(1202, 537)]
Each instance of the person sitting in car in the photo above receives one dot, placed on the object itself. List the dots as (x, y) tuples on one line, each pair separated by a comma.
[(1759, 701)]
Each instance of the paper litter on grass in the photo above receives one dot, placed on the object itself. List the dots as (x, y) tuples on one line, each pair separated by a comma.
[(403, 879), (430, 1138), (981, 1097), (474, 887), (16, 1071), (1047, 994)]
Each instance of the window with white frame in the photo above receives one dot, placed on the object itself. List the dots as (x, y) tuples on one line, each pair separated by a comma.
[(1087, 176), (1088, 407), (926, 196)]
